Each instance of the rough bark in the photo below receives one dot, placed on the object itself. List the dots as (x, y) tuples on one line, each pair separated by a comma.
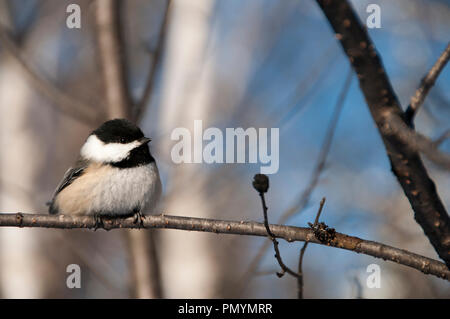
[(386, 111)]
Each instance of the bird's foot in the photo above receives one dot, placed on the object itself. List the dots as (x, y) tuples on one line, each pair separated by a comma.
[(98, 222), (138, 219)]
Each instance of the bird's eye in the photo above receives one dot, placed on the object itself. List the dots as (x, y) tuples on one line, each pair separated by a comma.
[(122, 140)]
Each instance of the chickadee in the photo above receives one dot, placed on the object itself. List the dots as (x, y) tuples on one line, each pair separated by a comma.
[(115, 175)]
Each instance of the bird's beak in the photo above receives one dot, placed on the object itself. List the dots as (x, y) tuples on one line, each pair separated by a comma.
[(144, 140)]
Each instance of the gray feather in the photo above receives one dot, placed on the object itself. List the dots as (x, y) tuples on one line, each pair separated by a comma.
[(69, 176)]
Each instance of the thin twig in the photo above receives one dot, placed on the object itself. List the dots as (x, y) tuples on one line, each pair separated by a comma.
[(305, 195), (249, 228), (426, 85), (359, 288), (300, 271), (284, 268), (302, 253)]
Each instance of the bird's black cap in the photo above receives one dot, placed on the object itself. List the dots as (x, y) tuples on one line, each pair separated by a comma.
[(118, 131)]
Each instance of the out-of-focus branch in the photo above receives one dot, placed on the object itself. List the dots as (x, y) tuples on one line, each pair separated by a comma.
[(156, 59), (385, 108), (142, 249), (112, 58), (305, 195), (60, 100), (288, 233), (442, 138), (144, 264), (426, 85), (415, 141), (325, 149), (80, 253)]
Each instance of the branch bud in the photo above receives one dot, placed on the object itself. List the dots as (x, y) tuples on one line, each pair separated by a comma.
[(261, 183)]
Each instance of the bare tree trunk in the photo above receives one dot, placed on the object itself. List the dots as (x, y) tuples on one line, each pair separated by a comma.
[(112, 59), (142, 248), (19, 278), (190, 267)]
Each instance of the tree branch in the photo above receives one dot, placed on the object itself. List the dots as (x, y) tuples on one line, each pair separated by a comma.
[(64, 103), (249, 228), (426, 85), (384, 106)]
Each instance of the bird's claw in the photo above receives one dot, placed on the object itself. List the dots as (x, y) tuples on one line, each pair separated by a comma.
[(98, 222), (138, 219)]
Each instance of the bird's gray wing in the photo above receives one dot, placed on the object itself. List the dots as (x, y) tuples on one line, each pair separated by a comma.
[(69, 176)]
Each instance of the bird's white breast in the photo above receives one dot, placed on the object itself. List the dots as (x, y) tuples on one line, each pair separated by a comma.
[(108, 190)]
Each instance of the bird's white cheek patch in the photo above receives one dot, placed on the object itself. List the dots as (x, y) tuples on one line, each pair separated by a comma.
[(96, 150)]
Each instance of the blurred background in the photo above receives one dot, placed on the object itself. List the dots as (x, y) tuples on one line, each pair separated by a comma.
[(253, 63)]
